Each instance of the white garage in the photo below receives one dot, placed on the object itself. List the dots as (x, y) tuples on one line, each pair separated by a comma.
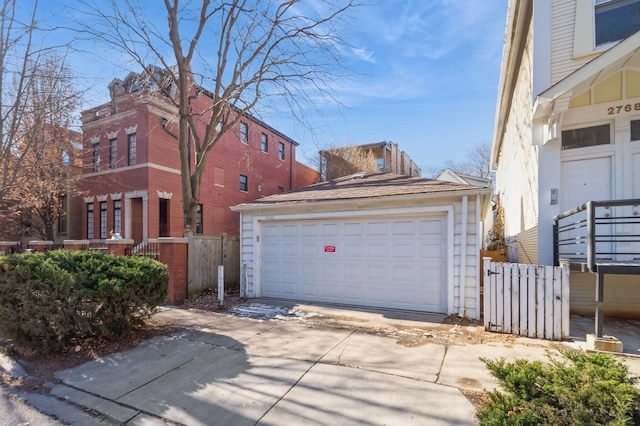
[(382, 241)]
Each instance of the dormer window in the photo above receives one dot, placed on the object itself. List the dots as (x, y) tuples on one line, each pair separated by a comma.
[(616, 20)]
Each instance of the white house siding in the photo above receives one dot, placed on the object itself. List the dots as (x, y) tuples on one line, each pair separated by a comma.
[(563, 26), (467, 281), (469, 278), (517, 174)]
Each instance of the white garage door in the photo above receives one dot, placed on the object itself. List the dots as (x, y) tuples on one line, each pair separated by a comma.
[(396, 263)]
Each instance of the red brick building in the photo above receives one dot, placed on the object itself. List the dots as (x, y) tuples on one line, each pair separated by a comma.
[(131, 172)]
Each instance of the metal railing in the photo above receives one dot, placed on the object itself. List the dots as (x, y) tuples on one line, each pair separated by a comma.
[(598, 232), (148, 248)]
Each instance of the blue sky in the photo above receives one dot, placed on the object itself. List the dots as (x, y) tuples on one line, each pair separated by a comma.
[(423, 74)]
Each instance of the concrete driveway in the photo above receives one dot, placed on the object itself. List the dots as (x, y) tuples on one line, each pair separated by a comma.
[(230, 370)]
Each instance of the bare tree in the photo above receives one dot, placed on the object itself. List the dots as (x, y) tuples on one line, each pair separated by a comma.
[(34, 99), (226, 57), (477, 162), (16, 53), (47, 162), (338, 162)]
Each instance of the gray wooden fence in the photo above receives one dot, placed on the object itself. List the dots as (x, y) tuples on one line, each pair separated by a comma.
[(527, 300), (206, 253)]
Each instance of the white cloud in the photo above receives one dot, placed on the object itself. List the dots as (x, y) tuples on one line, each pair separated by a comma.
[(364, 54)]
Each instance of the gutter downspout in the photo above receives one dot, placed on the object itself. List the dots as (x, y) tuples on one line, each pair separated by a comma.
[(463, 255)]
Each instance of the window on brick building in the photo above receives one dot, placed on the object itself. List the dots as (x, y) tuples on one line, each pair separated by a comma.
[(281, 150), (117, 216), (96, 157), (244, 183), (244, 132), (90, 221), (132, 148), (264, 142), (62, 216), (199, 220), (103, 220), (113, 153)]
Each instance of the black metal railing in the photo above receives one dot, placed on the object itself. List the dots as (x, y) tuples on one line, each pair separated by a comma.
[(149, 249), (598, 232)]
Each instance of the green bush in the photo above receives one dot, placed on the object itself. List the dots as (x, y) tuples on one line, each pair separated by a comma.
[(591, 389), (49, 299)]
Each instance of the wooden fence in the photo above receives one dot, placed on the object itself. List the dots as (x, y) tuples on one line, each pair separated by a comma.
[(205, 254), (527, 300)]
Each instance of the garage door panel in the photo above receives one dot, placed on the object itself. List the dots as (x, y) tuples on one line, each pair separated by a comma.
[(398, 263), (353, 229), (308, 249), (289, 250), (403, 250), (353, 249), (377, 250), (353, 271), (309, 268), (309, 230), (308, 290), (404, 272), (290, 288), (431, 227), (330, 229), (377, 272), (376, 228), (403, 228)]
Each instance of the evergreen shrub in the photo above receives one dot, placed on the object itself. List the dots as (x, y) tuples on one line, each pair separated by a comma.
[(590, 389), (48, 300)]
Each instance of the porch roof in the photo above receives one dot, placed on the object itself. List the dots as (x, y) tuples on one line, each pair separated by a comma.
[(624, 54)]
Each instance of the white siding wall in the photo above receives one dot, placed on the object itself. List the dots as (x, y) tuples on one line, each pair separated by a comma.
[(467, 279), (466, 282), (517, 175), (562, 31)]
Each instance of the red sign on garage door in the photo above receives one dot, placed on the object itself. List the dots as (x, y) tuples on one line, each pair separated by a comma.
[(329, 249)]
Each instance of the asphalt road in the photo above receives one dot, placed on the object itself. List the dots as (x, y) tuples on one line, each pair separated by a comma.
[(15, 412)]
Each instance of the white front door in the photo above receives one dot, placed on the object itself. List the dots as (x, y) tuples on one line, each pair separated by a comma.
[(396, 262), (587, 180)]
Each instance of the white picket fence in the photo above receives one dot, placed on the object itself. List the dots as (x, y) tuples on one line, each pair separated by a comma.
[(527, 300)]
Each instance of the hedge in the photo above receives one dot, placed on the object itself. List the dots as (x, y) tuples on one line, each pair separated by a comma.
[(48, 300), (590, 389)]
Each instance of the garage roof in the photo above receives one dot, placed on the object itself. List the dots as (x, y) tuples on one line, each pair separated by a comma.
[(361, 185)]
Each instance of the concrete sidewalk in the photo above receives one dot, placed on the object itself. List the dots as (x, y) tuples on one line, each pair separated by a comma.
[(231, 370)]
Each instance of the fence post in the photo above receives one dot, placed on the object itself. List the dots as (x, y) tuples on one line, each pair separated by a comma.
[(173, 253), (488, 295), (220, 284), (6, 247), (566, 299), (118, 247)]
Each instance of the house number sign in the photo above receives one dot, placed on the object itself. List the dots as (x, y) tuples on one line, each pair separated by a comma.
[(623, 108), (329, 249)]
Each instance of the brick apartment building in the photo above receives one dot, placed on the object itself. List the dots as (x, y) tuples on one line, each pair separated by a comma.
[(131, 176), (389, 159)]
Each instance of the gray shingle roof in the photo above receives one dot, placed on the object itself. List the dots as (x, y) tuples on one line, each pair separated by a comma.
[(363, 186)]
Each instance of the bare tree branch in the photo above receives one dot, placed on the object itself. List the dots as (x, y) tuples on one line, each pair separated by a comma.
[(231, 56)]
